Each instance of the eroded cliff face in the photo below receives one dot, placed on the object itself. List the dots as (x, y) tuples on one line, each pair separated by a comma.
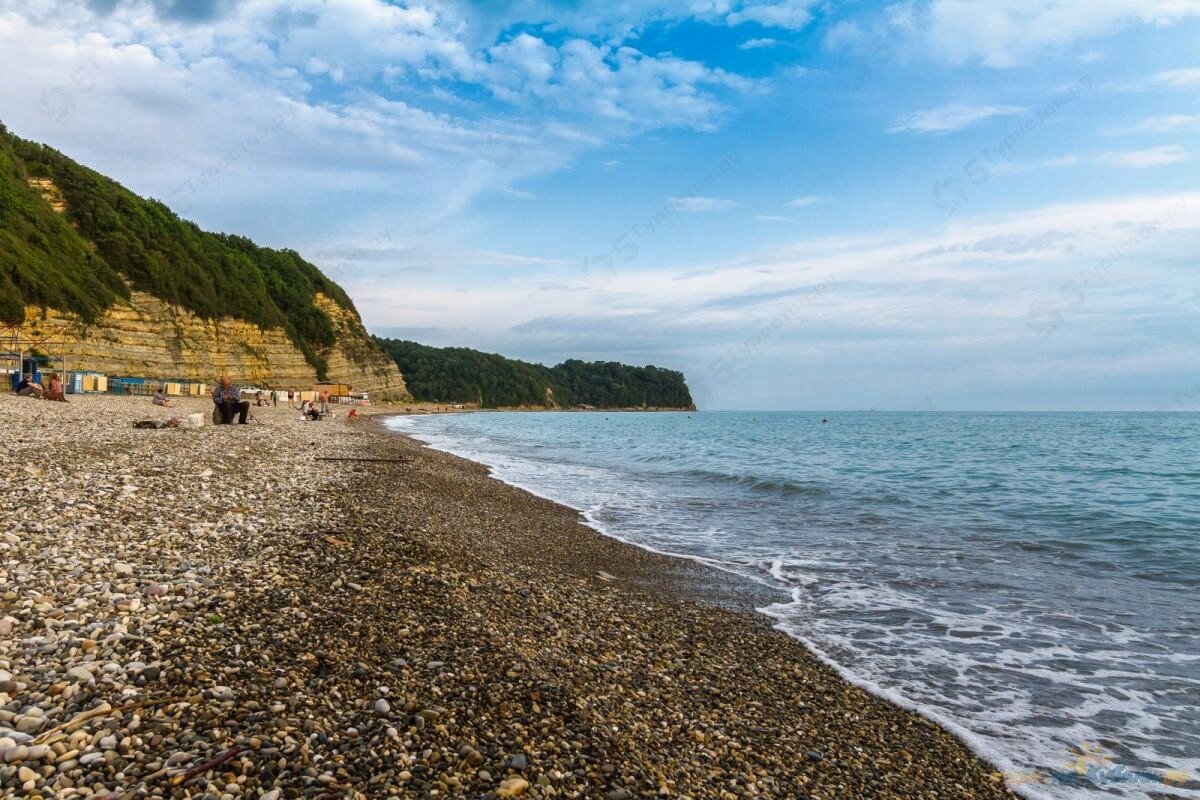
[(149, 339)]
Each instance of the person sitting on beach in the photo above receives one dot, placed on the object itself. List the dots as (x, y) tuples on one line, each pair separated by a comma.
[(228, 399), (55, 392), (260, 399), (28, 387), (160, 398), (311, 412)]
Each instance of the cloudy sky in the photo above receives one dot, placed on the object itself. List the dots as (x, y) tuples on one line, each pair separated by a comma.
[(933, 204)]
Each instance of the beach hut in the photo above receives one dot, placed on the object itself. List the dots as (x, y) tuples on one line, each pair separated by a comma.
[(334, 389)]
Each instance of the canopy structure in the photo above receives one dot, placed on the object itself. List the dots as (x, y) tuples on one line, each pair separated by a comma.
[(18, 346)]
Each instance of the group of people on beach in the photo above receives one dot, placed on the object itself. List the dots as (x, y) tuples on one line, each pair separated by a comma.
[(226, 396), (228, 400), (29, 387)]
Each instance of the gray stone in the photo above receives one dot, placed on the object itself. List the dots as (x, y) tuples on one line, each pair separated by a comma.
[(79, 675), (30, 725)]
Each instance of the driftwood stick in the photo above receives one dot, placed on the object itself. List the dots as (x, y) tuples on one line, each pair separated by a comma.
[(79, 719), (368, 460), (200, 769)]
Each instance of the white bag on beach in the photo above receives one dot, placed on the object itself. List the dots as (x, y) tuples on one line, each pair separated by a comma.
[(192, 421)]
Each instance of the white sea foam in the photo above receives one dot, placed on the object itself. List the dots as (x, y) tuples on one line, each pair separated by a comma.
[(1020, 675)]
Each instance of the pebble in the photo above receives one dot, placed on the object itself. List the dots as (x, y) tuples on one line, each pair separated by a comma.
[(512, 787), (80, 675)]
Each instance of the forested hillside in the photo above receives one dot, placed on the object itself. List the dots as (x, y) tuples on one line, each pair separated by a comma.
[(76, 260), (462, 375)]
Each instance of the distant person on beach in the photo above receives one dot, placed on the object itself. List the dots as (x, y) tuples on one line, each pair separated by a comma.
[(160, 398), (291, 397), (312, 413), (228, 399), (274, 398), (55, 392), (324, 402), (28, 387), (260, 399)]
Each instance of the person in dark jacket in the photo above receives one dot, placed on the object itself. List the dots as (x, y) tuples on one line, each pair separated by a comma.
[(28, 387), (229, 401)]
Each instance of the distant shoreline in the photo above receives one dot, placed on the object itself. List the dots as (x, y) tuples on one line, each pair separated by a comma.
[(450, 408)]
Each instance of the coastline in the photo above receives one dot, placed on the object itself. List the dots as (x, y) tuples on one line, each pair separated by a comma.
[(400, 626)]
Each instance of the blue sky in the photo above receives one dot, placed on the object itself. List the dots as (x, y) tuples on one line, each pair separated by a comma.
[(933, 204)]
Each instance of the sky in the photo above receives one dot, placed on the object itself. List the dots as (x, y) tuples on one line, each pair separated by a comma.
[(926, 205)]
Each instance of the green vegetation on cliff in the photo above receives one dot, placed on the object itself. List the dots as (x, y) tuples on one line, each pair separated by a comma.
[(82, 260), (462, 375)]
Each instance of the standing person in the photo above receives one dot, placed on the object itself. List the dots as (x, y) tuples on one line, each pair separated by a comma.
[(274, 398), (228, 399), (291, 396), (324, 402)]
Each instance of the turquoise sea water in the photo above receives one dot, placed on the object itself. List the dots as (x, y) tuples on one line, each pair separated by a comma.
[(1030, 580)]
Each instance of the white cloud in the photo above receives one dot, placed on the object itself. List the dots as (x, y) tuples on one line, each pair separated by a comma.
[(802, 202), (1033, 165), (611, 164), (501, 258), (159, 104), (1178, 78), (615, 85), (770, 218), (952, 117), (1004, 33), (1067, 282), (1126, 159), (1149, 157), (1164, 123), (789, 14), (756, 44), (697, 204)]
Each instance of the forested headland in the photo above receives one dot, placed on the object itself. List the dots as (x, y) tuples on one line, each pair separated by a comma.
[(463, 375)]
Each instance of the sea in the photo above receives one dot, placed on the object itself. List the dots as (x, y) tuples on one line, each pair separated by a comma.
[(1030, 581)]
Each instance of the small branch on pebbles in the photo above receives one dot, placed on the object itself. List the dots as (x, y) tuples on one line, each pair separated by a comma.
[(100, 712), (200, 769), (368, 460)]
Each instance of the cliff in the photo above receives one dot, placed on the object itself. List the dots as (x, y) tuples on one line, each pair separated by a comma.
[(121, 285), (145, 337)]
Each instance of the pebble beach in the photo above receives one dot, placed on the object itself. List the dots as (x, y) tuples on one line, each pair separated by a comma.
[(326, 609)]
